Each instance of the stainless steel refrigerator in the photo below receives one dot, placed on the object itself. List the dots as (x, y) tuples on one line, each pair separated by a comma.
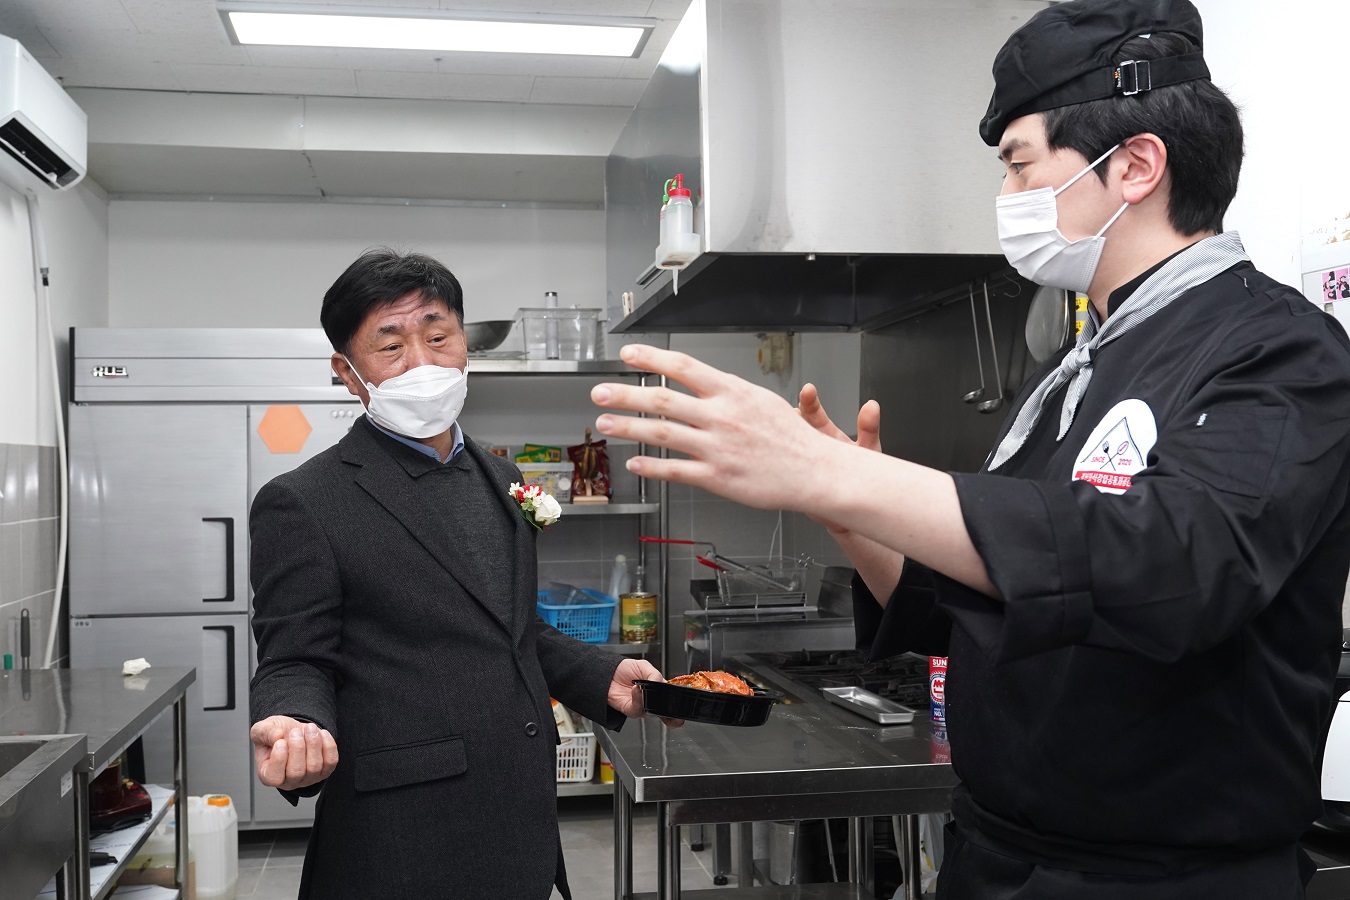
[(172, 432)]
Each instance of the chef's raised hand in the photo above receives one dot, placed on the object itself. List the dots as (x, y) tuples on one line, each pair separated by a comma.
[(626, 697), (813, 413), (747, 444), (744, 442), (291, 754)]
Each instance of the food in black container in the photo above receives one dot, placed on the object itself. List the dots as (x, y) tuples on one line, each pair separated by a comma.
[(715, 706)]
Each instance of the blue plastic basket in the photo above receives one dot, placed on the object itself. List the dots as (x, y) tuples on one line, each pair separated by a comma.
[(584, 621)]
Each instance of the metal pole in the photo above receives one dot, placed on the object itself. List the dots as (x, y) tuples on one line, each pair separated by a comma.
[(180, 792), (667, 633), (856, 871), (623, 842), (667, 855), (909, 866), (75, 874), (745, 864)]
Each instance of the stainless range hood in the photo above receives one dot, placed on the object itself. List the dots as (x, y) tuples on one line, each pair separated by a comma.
[(832, 150)]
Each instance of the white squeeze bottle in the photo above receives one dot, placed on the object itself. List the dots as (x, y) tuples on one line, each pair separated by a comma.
[(618, 579), (678, 215)]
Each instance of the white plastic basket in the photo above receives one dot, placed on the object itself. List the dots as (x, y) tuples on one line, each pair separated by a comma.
[(576, 757)]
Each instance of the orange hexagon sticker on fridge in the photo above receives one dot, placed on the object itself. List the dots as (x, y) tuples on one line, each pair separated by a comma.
[(284, 429)]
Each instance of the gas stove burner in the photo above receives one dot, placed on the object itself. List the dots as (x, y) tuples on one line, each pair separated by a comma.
[(903, 678)]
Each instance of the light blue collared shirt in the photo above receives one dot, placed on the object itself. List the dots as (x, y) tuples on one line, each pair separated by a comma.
[(455, 432)]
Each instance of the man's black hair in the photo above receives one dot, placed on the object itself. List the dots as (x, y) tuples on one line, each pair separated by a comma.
[(1199, 125), (380, 278)]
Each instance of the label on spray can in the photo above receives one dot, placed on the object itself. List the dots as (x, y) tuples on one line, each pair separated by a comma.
[(937, 689)]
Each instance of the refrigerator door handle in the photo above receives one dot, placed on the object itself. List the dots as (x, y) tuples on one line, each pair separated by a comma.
[(229, 666), (228, 522)]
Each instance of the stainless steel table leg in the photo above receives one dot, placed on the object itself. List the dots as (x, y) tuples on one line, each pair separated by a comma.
[(745, 857), (869, 871), (856, 873), (909, 865), (180, 793), (623, 843), (721, 853), (75, 874), (667, 856)]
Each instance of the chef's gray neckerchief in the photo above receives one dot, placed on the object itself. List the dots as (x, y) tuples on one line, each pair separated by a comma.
[(1195, 265)]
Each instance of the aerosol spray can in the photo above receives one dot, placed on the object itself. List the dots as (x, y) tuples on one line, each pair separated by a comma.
[(937, 691)]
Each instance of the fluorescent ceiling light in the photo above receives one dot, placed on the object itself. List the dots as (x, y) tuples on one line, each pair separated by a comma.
[(385, 29)]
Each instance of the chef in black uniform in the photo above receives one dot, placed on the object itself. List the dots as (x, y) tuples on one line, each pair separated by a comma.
[(1140, 593)]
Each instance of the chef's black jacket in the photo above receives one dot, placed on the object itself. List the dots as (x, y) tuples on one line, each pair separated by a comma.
[(1150, 695)]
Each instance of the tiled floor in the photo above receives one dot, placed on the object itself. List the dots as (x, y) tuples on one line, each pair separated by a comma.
[(269, 861)]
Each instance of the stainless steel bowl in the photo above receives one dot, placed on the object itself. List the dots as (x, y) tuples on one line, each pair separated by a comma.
[(486, 335)]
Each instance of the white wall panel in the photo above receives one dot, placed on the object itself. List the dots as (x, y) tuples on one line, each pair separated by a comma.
[(268, 264), (77, 246)]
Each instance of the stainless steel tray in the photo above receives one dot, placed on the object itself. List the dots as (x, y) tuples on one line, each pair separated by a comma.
[(866, 703)]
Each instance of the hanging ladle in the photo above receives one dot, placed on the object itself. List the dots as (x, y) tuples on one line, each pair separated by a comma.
[(995, 404), (978, 393)]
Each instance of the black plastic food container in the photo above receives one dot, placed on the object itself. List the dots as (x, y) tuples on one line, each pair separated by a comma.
[(675, 701)]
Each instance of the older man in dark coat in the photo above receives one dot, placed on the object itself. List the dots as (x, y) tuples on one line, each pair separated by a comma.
[(394, 610)]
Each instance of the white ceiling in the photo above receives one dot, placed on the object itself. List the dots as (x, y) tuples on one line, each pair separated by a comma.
[(180, 46)]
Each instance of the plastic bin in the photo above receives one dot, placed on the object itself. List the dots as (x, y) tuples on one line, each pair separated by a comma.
[(576, 757), (559, 333), (585, 621)]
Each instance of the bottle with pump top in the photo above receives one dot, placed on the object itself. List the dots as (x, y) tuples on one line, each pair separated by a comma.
[(679, 243)]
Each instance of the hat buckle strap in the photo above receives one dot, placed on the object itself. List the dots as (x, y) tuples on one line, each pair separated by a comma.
[(1138, 79)]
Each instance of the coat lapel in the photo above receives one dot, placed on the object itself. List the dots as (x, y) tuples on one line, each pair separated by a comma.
[(522, 562), (394, 480)]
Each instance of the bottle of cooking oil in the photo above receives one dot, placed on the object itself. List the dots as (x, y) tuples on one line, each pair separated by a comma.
[(637, 614)]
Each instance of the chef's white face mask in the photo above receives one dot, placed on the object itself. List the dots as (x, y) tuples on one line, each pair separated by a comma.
[(1028, 233), (421, 403)]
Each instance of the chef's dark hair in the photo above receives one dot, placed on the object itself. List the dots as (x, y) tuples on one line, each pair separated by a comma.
[(1199, 125), (379, 278)]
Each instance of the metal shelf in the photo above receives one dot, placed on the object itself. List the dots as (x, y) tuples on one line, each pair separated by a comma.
[(584, 788), (839, 891), (620, 508), (626, 649), (487, 366), (124, 844)]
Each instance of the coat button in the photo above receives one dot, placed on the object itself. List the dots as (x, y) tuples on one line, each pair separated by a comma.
[(531, 729)]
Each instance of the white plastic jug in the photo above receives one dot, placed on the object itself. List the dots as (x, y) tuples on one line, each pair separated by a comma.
[(213, 832)]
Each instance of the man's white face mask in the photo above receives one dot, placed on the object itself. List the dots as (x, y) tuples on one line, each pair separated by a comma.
[(421, 403), (1028, 233)]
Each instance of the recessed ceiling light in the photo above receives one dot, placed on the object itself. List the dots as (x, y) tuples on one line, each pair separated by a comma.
[(401, 29)]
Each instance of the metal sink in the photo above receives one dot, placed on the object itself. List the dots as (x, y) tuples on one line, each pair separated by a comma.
[(37, 808)]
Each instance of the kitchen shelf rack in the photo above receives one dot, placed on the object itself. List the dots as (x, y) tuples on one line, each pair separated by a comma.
[(585, 789), (124, 844), (839, 891), (613, 508), (112, 710)]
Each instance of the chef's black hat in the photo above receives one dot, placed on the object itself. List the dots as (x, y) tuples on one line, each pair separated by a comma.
[(1067, 54)]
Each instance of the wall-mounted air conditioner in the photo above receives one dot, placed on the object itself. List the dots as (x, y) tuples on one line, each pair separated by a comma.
[(44, 135)]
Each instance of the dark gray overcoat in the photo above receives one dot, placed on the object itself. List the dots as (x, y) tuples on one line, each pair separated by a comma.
[(395, 606)]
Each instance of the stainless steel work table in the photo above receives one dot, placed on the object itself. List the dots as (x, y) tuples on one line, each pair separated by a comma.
[(112, 710), (811, 760)]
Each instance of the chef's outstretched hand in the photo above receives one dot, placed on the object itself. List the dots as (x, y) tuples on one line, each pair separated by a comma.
[(813, 413), (291, 754), (626, 697), (744, 442)]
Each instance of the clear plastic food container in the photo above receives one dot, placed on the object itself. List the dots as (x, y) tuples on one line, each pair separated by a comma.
[(559, 333)]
